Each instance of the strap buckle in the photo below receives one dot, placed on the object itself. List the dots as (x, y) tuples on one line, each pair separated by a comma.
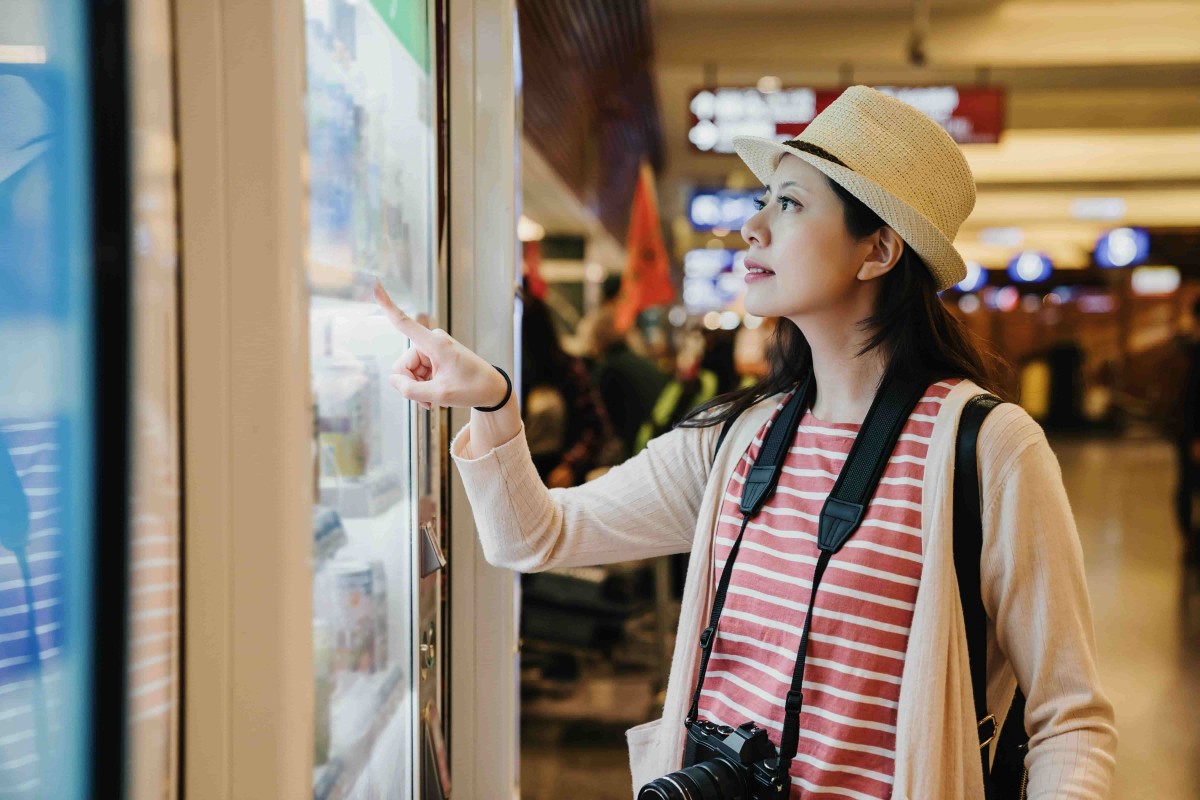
[(990, 718), (707, 637)]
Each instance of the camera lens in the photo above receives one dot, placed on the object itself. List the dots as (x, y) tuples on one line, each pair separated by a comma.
[(717, 779)]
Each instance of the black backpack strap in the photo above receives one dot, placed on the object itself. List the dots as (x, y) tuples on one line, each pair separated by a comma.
[(724, 432), (968, 552)]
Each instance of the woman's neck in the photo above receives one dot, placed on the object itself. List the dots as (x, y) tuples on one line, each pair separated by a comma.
[(846, 383)]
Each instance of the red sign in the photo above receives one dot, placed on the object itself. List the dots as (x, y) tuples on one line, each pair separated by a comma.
[(970, 114)]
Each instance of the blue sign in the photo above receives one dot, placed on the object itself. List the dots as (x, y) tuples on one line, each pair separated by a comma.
[(1123, 247), (1030, 267), (722, 208)]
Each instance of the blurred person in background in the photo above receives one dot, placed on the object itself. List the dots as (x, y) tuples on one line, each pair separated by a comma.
[(1187, 439), (719, 360), (691, 386), (565, 420), (628, 383)]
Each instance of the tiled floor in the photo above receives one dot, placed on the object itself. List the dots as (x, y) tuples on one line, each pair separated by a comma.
[(1147, 611)]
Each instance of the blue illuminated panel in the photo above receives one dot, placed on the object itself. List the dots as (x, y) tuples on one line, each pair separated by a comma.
[(47, 430)]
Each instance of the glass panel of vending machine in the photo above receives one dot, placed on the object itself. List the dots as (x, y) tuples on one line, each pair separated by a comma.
[(371, 162)]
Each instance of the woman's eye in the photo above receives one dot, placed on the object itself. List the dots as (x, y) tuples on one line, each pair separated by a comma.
[(759, 203), (784, 202)]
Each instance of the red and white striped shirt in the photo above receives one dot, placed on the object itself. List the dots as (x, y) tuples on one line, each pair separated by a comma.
[(864, 607)]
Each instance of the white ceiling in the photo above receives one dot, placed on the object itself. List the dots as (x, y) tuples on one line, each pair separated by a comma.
[(1103, 98), (1103, 101), (798, 7)]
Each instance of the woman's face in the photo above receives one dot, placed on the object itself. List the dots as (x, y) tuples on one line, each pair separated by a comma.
[(799, 234)]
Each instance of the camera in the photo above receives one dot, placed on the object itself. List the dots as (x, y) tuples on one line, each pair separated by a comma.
[(723, 763)]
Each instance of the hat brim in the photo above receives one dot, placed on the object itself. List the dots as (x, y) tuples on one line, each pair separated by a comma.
[(944, 262)]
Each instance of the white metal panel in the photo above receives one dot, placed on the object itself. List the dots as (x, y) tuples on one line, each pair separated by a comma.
[(483, 269), (248, 724)]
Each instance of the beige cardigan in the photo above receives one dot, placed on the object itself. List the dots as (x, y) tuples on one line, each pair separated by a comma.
[(1040, 624)]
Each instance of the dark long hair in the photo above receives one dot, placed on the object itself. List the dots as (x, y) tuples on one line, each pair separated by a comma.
[(926, 340)]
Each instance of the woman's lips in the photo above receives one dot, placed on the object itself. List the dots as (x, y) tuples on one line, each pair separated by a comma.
[(757, 272)]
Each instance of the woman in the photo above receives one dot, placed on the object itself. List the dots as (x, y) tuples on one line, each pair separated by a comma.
[(850, 245)]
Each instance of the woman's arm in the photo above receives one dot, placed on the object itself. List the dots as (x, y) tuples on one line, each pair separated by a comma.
[(646, 507), (1034, 589)]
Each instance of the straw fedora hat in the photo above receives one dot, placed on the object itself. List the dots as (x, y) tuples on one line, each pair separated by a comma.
[(899, 162)]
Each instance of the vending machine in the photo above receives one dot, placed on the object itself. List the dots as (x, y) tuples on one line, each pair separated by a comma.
[(378, 560), (315, 558), (344, 637)]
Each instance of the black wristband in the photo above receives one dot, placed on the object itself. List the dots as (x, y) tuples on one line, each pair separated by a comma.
[(507, 394)]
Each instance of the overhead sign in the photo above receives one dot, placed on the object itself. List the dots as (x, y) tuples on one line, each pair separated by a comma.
[(970, 114)]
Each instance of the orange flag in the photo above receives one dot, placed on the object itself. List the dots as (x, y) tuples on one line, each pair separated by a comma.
[(647, 278), (531, 263)]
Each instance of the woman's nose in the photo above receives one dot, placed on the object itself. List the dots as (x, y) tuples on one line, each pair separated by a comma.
[(754, 231)]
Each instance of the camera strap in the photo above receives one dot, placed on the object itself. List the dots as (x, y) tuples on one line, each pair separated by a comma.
[(840, 517)]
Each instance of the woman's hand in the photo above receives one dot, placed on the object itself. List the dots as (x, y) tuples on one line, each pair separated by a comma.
[(436, 370)]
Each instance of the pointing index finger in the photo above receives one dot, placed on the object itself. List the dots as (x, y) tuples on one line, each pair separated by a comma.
[(403, 322)]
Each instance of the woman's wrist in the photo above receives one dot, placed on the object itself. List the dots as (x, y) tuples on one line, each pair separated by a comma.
[(489, 430), (505, 392)]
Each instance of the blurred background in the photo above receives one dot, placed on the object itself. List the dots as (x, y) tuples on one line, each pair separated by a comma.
[(234, 564), (1081, 123)]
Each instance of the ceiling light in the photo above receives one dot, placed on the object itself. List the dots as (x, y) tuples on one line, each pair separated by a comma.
[(1002, 237), (976, 278), (1030, 267), (1108, 208), (1123, 247)]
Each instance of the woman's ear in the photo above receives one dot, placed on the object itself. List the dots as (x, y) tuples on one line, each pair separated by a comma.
[(885, 252)]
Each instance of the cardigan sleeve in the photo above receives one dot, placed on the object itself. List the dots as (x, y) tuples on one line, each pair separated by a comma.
[(1034, 590), (645, 507)]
